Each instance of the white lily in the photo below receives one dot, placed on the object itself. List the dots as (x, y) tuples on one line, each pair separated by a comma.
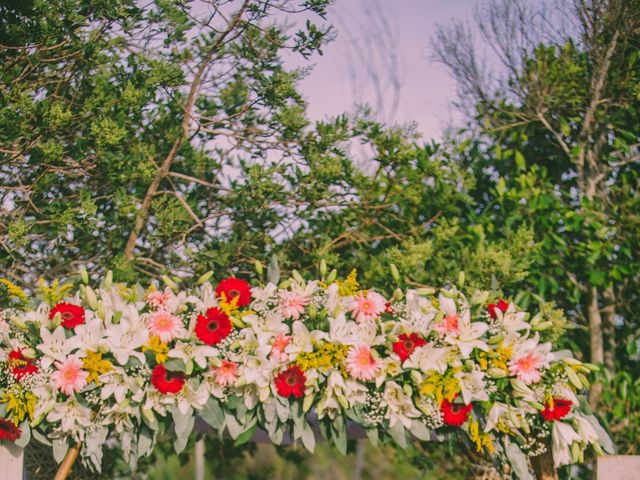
[(191, 351), (117, 383), (427, 358), (89, 336), (54, 346), (472, 386), (400, 407), (562, 437)]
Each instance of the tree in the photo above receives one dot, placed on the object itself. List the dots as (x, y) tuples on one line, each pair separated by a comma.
[(558, 149), (135, 137)]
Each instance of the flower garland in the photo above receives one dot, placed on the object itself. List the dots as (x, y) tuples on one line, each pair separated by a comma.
[(124, 363)]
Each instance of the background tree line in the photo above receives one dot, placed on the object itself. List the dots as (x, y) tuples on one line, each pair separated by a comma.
[(170, 138)]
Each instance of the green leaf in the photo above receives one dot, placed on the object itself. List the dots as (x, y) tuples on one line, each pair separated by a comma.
[(518, 461), (246, 436), (60, 447), (212, 413), (373, 435), (25, 435), (175, 365), (521, 163), (308, 438), (398, 433)]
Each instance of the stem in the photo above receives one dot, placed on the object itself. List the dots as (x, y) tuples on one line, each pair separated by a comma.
[(67, 463)]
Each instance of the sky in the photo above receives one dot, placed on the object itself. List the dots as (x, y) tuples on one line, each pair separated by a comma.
[(374, 39)]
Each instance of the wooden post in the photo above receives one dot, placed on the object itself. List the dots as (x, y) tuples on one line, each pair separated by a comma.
[(543, 466), (11, 462), (67, 463), (199, 459)]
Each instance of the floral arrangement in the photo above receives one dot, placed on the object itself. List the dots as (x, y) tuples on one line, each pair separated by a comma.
[(128, 363)]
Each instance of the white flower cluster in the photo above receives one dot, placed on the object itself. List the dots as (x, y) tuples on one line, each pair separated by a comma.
[(121, 362)]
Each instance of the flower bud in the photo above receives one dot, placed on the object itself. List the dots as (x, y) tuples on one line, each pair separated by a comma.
[(257, 264), (205, 277), (100, 310), (84, 275), (573, 378), (323, 267), (395, 274), (56, 321), (92, 300), (426, 291), (108, 280), (237, 322), (332, 276), (169, 283), (18, 322), (28, 353), (496, 372), (461, 279), (298, 278), (447, 293), (397, 294), (542, 326)]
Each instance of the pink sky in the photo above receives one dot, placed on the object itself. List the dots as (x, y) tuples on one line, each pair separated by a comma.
[(339, 79)]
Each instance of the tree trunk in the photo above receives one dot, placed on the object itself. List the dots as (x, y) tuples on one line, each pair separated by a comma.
[(609, 329), (543, 465), (596, 340)]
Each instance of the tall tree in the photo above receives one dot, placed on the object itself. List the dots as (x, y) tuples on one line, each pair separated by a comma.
[(560, 136), (134, 136)]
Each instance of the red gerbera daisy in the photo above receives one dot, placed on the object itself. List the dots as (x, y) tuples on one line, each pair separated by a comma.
[(406, 345), (20, 365), (502, 305), (166, 381), (9, 431), (291, 382), (454, 414), (212, 327), (556, 409), (72, 315), (235, 287)]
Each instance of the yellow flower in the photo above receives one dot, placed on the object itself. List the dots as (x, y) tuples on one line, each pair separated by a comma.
[(228, 307), (96, 366), (21, 403), (156, 346), (501, 357), (481, 440), (325, 356), (350, 285), (55, 292), (441, 386), (13, 290)]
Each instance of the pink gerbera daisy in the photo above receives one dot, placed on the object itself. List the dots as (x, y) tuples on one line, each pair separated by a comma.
[(448, 325), (292, 304), (527, 367), (367, 306), (226, 374), (361, 364), (69, 376), (165, 326), (279, 344), (157, 299)]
